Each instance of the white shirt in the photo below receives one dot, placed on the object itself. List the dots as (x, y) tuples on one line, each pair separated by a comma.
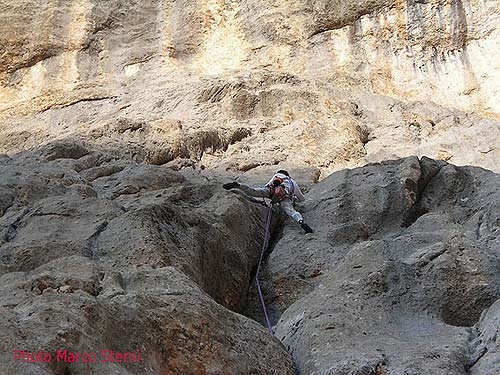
[(291, 187)]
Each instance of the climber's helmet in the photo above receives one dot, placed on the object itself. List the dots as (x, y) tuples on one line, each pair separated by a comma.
[(282, 171)]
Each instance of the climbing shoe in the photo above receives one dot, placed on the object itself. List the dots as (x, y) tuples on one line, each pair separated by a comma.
[(306, 227), (231, 185)]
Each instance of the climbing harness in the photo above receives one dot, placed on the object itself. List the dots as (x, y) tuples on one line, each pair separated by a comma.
[(264, 247), (279, 190), (278, 193)]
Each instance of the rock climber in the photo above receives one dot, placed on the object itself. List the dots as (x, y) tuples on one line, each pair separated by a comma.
[(281, 189)]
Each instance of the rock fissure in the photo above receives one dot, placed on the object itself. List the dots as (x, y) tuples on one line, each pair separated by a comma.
[(82, 100), (253, 307), (418, 188), (437, 254), (13, 227), (475, 359), (90, 248)]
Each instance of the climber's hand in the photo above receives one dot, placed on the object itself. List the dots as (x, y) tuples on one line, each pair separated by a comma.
[(231, 185)]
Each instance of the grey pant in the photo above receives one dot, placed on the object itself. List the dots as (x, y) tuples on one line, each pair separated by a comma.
[(264, 192)]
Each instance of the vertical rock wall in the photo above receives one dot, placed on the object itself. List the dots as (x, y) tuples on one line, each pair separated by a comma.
[(444, 51), (414, 50)]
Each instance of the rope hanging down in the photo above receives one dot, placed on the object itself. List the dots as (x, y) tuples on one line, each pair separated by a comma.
[(264, 247)]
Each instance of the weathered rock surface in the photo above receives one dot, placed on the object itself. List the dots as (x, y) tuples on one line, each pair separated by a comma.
[(486, 353), (97, 254), (404, 260), (119, 119), (241, 85), (446, 50)]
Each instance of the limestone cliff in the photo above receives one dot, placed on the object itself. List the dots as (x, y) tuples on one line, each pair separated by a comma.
[(119, 121), (337, 83), (413, 50)]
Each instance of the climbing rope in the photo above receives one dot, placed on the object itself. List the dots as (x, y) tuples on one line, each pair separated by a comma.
[(264, 247)]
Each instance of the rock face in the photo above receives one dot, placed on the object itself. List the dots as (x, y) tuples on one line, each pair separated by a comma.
[(104, 254), (120, 119), (403, 263), (242, 85), (486, 359), (413, 50)]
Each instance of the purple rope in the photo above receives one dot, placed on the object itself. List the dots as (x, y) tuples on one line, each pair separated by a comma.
[(264, 247)]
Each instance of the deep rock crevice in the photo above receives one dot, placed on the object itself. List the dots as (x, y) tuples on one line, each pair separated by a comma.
[(253, 307), (90, 250), (428, 170)]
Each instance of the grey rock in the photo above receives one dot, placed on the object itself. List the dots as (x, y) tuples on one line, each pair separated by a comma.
[(403, 262), (160, 314), (101, 255), (98, 249), (484, 350)]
